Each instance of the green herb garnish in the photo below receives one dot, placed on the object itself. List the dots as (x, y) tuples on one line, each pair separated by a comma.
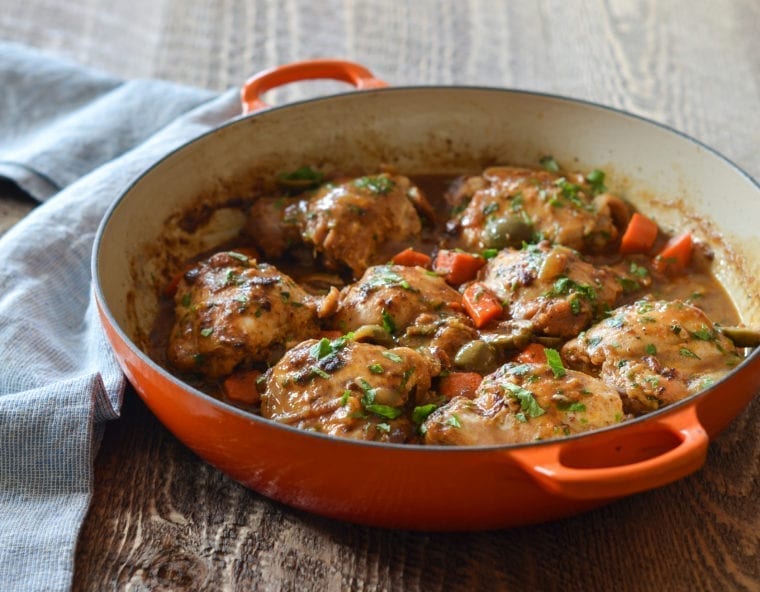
[(528, 403), (383, 410), (596, 180), (420, 413), (453, 421), (490, 209), (317, 371), (381, 185), (303, 177), (549, 164), (555, 362), (393, 357), (388, 323)]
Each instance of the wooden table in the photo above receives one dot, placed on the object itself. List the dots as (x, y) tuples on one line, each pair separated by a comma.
[(162, 519)]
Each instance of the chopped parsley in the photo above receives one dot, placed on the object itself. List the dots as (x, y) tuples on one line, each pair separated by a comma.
[(304, 177), (555, 362), (231, 277), (593, 341), (387, 277), (344, 398), (453, 421), (376, 368), (687, 353), (421, 412), (638, 270), (703, 334), (549, 164), (651, 349), (207, 331), (628, 284), (381, 185), (317, 371), (596, 181), (388, 323), (571, 407), (517, 201), (528, 403), (368, 402), (490, 209), (393, 357), (564, 285)]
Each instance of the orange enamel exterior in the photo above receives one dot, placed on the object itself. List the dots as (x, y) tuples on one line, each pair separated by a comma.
[(342, 70), (414, 487), (396, 486)]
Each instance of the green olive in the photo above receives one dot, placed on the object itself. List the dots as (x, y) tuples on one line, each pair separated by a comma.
[(506, 232), (517, 338), (476, 355), (742, 336), (374, 334)]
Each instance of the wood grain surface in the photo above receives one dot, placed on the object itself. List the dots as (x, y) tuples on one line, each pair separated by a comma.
[(163, 520)]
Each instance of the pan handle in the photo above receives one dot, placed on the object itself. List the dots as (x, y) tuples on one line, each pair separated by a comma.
[(342, 70), (651, 455)]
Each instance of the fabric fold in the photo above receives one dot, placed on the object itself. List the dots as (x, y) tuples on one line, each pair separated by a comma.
[(59, 382)]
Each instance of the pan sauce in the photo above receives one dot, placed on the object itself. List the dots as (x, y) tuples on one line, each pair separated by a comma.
[(391, 378)]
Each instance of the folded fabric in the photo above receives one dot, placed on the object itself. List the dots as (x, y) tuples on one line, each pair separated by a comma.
[(77, 139)]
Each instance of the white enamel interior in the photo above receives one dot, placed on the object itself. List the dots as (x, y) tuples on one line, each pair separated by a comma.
[(682, 184)]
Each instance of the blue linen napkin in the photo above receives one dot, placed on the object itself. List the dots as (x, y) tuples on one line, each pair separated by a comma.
[(74, 139)]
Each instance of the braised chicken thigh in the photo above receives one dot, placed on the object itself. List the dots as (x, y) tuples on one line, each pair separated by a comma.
[(411, 304), (552, 287), (230, 309), (506, 206), (525, 403), (350, 223), (654, 353), (348, 389)]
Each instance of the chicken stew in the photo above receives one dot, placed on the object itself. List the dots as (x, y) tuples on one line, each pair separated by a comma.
[(512, 305)]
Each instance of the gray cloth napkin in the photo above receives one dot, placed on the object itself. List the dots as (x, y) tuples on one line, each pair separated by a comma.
[(76, 139)]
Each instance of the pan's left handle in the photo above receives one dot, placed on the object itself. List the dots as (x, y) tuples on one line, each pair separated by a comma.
[(341, 70)]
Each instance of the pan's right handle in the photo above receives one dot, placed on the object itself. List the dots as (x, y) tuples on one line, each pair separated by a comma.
[(683, 454), (341, 70)]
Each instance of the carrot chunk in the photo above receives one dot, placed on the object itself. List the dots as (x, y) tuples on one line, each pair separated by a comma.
[(460, 384), (481, 305), (457, 267), (410, 258), (241, 387), (640, 235), (675, 255), (532, 354)]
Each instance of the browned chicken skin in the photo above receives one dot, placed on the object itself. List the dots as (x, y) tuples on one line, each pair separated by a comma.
[(552, 287), (653, 352), (230, 309), (508, 205), (524, 403), (350, 223), (348, 389), (273, 223), (417, 307)]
